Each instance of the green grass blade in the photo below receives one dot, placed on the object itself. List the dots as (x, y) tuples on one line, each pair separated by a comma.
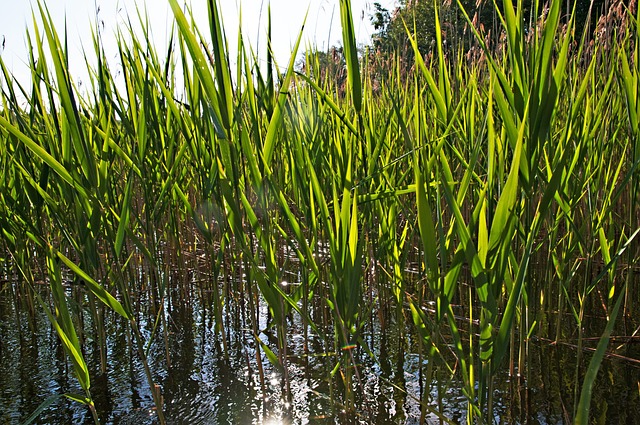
[(94, 287), (41, 408), (276, 119), (201, 67), (351, 54), (39, 151), (584, 405)]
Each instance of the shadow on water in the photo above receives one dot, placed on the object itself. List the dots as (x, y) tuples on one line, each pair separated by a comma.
[(202, 385)]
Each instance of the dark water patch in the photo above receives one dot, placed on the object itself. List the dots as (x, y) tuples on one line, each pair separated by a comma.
[(206, 379)]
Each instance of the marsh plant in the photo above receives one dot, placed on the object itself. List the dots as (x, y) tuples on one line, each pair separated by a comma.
[(465, 206)]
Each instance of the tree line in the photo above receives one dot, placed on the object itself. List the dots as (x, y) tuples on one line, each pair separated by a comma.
[(418, 16)]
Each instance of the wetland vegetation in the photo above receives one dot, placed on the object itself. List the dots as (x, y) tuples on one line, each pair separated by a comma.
[(358, 240)]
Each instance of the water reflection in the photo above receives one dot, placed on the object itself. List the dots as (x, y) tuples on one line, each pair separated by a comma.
[(204, 385)]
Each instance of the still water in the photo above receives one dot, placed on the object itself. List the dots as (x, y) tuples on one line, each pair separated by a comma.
[(201, 384)]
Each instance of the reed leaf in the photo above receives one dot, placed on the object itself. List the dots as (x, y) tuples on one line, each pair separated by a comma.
[(351, 54), (276, 119), (94, 286)]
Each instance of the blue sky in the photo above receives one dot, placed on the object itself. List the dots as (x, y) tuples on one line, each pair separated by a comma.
[(322, 29)]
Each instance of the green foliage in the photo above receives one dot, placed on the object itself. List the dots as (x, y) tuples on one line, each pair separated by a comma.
[(419, 16), (391, 183)]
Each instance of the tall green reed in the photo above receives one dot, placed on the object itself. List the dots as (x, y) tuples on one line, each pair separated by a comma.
[(481, 168)]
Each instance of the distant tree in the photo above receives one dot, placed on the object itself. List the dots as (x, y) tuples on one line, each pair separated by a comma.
[(419, 17), (391, 34)]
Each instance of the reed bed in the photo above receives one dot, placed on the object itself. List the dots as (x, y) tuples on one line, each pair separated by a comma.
[(464, 207)]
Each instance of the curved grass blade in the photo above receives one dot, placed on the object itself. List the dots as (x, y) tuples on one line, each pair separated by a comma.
[(41, 408), (94, 286), (582, 415)]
